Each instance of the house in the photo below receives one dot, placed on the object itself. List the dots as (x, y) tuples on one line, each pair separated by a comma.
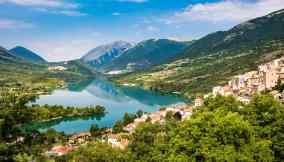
[(218, 91), (130, 127), (198, 102), (57, 68), (79, 138), (244, 99), (118, 141), (59, 151)]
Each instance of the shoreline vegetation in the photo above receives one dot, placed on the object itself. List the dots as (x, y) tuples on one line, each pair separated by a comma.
[(46, 124), (55, 114), (45, 113)]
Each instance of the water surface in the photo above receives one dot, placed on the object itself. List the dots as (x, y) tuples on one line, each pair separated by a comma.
[(116, 100)]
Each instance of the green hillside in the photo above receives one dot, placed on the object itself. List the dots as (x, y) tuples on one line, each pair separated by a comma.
[(27, 54), (147, 54), (215, 58), (15, 72)]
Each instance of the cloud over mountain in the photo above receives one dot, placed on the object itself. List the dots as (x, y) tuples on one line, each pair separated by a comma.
[(228, 10)]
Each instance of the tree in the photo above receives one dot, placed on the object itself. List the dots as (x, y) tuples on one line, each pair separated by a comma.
[(177, 116), (23, 158), (279, 86), (96, 131), (139, 113), (144, 141), (267, 115), (215, 136), (118, 127), (95, 152), (128, 118)]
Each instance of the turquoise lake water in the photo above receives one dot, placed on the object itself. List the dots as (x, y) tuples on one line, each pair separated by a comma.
[(116, 100)]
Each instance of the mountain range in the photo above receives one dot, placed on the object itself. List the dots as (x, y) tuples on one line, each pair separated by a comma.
[(104, 54), (27, 54), (215, 58), (243, 36), (147, 54), (125, 56)]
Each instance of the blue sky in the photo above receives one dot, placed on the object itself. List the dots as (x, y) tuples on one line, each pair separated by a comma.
[(66, 29)]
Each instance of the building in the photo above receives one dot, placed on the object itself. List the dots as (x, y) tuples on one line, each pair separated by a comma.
[(80, 138), (59, 151), (57, 68), (160, 116), (271, 72), (243, 86), (198, 102), (118, 141), (218, 91)]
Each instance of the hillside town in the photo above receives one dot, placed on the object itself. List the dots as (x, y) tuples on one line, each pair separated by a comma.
[(265, 78), (120, 140), (182, 111), (241, 86)]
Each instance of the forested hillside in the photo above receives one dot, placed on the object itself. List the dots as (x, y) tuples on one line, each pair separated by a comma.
[(215, 58)]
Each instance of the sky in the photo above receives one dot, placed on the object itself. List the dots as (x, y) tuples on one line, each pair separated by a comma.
[(67, 29)]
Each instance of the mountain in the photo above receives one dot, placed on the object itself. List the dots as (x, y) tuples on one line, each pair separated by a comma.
[(215, 58), (27, 54), (146, 54), (241, 37), (102, 55), (5, 55), (7, 59), (15, 70)]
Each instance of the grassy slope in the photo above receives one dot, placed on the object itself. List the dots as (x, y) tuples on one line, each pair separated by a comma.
[(199, 75), (215, 58), (15, 72), (147, 54)]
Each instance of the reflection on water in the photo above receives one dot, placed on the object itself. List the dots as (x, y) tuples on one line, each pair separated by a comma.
[(116, 100), (49, 124)]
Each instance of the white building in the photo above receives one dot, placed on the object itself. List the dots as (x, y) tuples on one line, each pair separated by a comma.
[(218, 91), (198, 102), (57, 68)]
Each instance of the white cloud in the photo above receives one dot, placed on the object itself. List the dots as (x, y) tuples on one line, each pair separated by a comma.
[(42, 3), (72, 13), (49, 6), (227, 10), (14, 24), (133, 1)]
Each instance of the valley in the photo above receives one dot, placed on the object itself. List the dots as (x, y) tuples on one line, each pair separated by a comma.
[(125, 101)]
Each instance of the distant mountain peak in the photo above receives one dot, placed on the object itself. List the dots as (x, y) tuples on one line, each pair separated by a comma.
[(145, 54), (276, 13), (26, 54), (104, 53)]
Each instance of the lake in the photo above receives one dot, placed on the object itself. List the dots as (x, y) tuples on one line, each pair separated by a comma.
[(117, 100)]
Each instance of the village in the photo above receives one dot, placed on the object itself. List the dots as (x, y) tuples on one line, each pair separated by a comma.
[(244, 86), (121, 140)]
